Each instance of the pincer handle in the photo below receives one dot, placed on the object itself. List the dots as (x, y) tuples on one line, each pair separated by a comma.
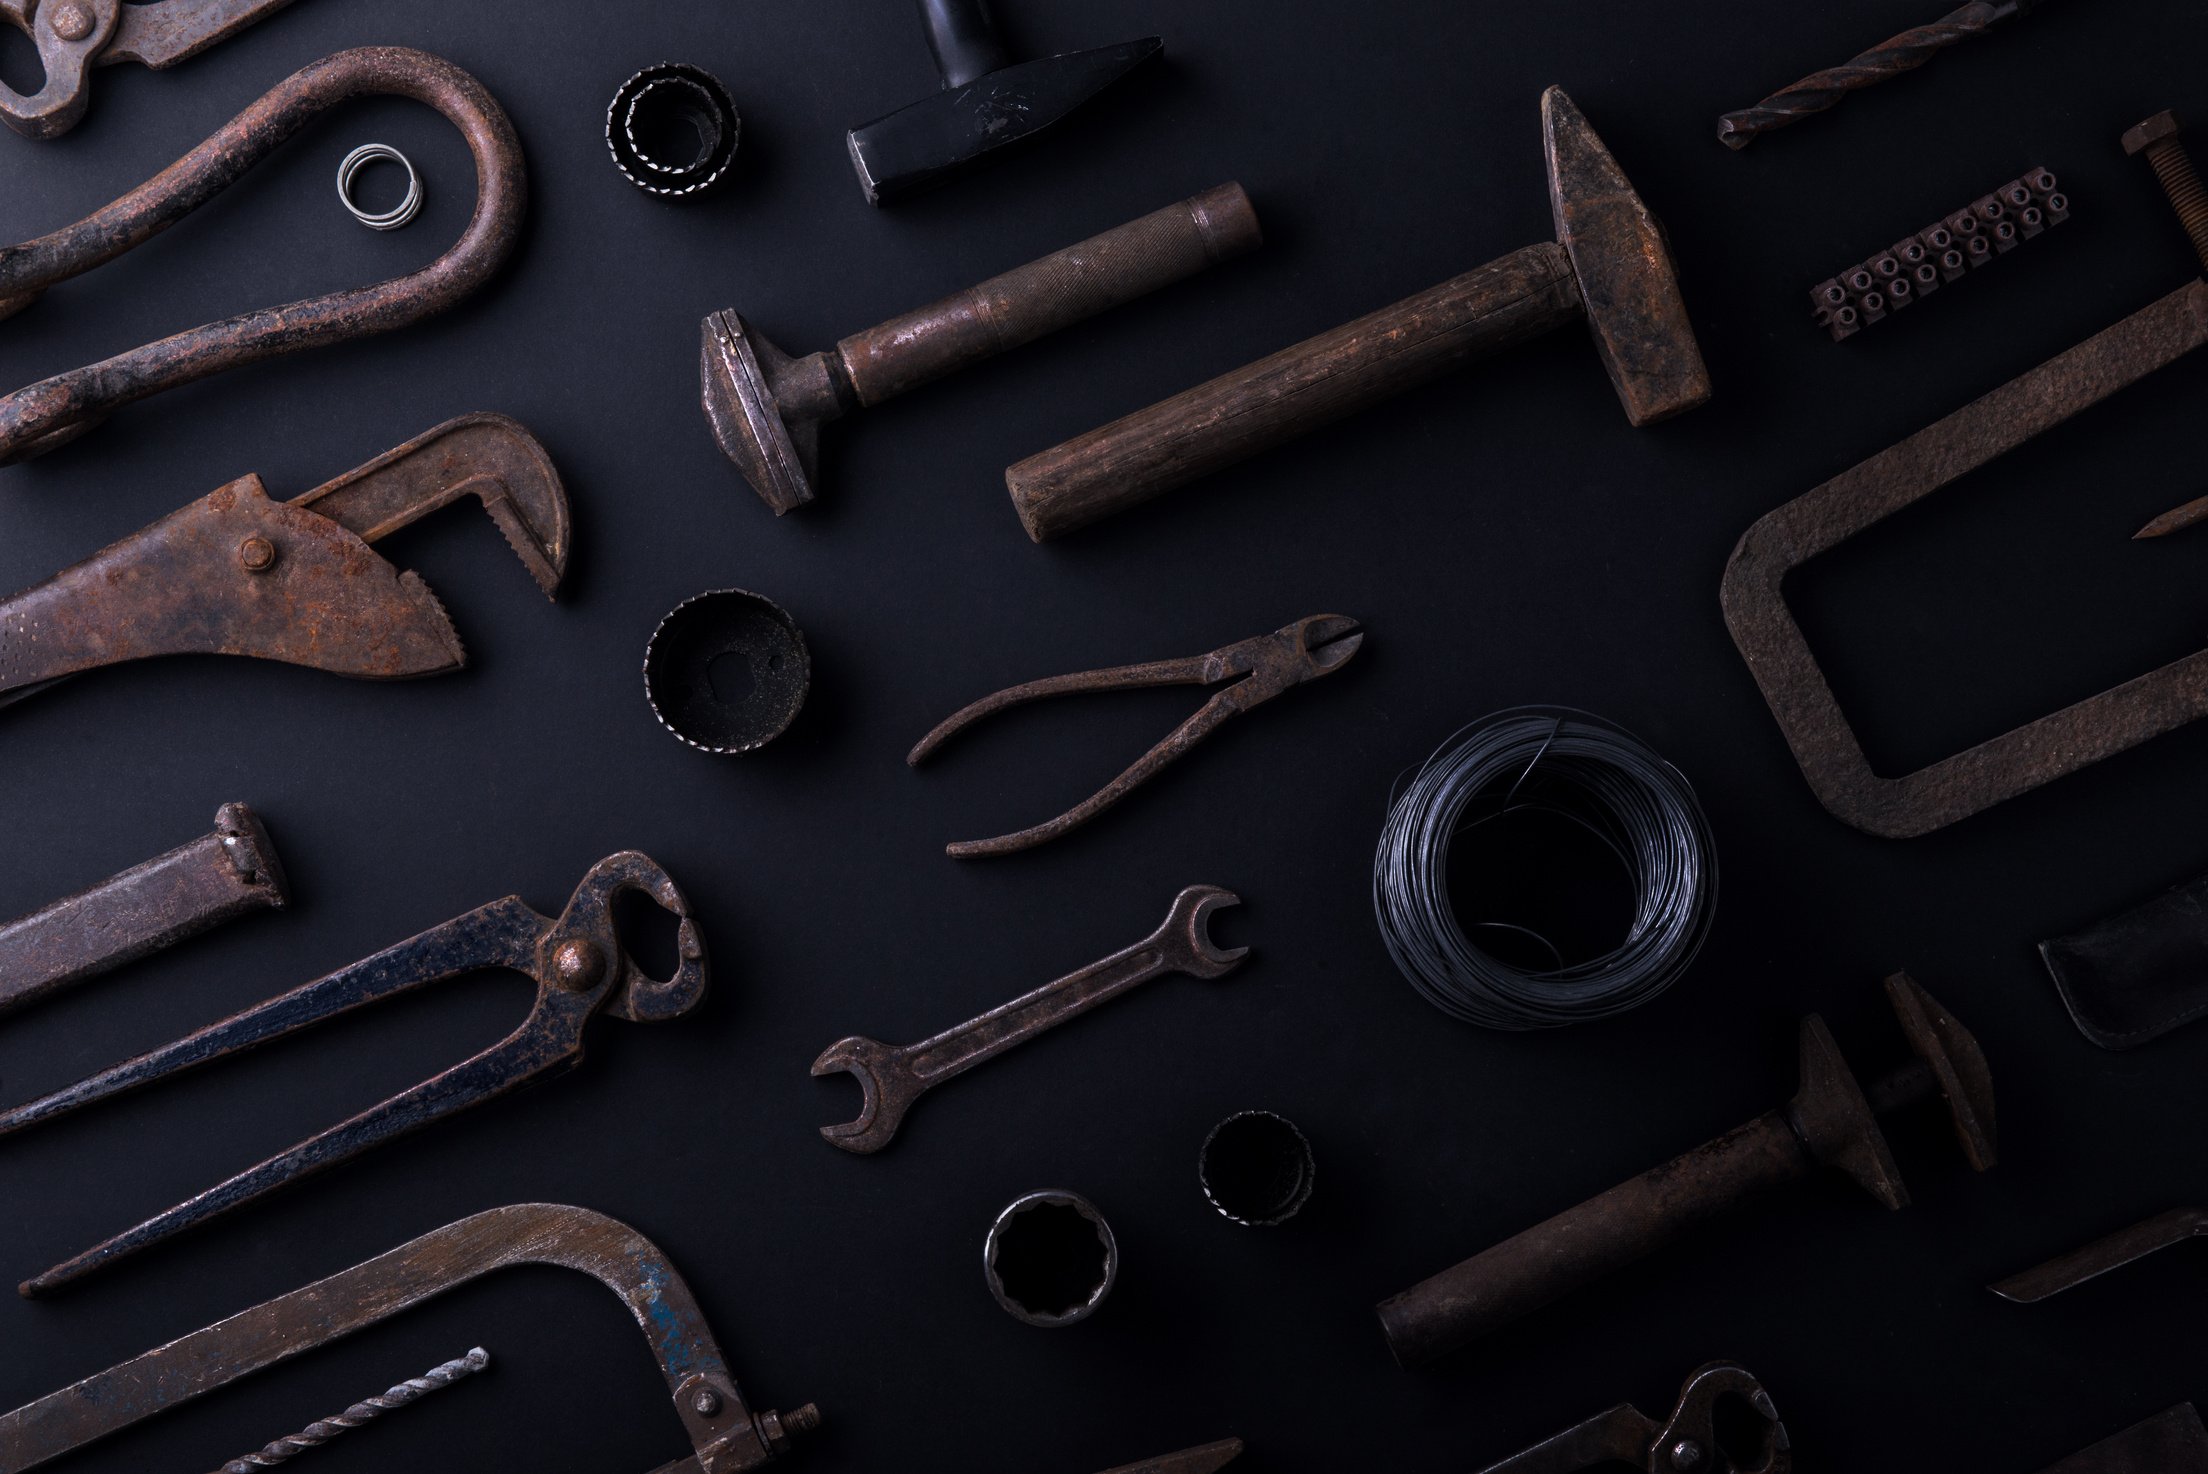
[(1045, 295)]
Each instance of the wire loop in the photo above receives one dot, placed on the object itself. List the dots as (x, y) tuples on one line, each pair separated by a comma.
[(1589, 772)]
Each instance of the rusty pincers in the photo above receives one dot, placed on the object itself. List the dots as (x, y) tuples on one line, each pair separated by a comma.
[(1316, 646), (891, 1078)]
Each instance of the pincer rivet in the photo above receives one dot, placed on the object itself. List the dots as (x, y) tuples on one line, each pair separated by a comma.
[(578, 964), (72, 21), (257, 553), (706, 1403)]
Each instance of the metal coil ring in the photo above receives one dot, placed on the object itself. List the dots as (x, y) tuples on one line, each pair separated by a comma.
[(399, 214), (1590, 773)]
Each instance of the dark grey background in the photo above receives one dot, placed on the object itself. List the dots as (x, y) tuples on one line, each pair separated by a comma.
[(1506, 538)]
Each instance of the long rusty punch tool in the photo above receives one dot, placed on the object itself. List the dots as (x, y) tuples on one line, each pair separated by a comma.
[(1254, 672), (576, 961), (236, 573)]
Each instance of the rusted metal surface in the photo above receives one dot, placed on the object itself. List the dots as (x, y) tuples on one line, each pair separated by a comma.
[(1609, 265), (1259, 668), (766, 408), (361, 1413), (892, 1078), (216, 878), (576, 961), (988, 102), (2135, 976), (1687, 1442), (1778, 654), (725, 1435), (2171, 1442), (1208, 1459), (2156, 140), (73, 36), (1883, 62), (1831, 1122), (236, 573), (1050, 1259), (59, 409), (1910, 270), (2125, 1246)]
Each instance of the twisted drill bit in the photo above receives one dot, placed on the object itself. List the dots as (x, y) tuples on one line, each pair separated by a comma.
[(1890, 58), (316, 1434)]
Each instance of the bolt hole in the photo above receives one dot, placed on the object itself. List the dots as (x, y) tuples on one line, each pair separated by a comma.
[(730, 676), (20, 67)]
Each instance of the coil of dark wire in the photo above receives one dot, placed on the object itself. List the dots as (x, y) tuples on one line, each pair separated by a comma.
[(1588, 772)]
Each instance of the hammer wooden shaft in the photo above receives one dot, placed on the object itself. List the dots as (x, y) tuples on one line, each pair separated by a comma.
[(1045, 295), (1580, 1245), (1238, 414)]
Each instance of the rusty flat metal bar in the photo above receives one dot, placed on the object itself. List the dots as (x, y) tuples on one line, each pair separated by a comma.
[(216, 878), (1778, 654)]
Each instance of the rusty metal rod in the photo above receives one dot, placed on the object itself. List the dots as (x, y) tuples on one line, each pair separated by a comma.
[(361, 1413), (215, 878), (59, 409)]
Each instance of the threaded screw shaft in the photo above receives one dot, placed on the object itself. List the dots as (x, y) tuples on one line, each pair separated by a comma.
[(316, 1434), (2173, 166)]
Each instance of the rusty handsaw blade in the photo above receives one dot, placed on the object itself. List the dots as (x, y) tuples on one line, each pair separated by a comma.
[(725, 1435), (236, 573)]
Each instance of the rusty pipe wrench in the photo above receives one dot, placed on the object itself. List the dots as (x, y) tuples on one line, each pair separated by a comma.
[(56, 410), (892, 1078), (576, 961), (725, 1435), (236, 573), (1687, 1442), (74, 36), (216, 878)]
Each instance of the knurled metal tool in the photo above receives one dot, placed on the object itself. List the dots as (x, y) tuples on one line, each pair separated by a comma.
[(74, 36), (892, 1078), (236, 573), (576, 961), (1259, 669), (1689, 1441), (725, 1436)]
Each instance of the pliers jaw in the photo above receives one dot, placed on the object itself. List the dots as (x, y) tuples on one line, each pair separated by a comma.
[(579, 948)]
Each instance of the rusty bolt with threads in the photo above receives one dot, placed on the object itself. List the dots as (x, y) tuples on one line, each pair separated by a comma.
[(2157, 139)]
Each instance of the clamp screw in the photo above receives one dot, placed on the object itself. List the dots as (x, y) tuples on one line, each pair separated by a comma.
[(72, 21), (1686, 1454), (2157, 139), (707, 1402), (257, 553), (577, 965)]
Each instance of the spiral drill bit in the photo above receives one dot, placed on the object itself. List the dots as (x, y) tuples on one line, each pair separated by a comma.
[(1890, 58), (316, 1434)]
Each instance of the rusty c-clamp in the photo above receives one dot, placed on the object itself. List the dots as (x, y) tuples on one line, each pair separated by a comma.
[(59, 409), (73, 36), (725, 1435), (1687, 1442)]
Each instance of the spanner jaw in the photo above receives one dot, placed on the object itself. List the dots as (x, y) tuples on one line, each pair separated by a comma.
[(881, 1110), (1186, 934)]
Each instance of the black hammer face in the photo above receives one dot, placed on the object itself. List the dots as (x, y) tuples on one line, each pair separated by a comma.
[(919, 145)]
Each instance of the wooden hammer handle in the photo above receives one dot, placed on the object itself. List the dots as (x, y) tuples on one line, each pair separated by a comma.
[(1321, 379), (1056, 291)]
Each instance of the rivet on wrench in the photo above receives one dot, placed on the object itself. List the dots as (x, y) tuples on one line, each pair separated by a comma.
[(891, 1079)]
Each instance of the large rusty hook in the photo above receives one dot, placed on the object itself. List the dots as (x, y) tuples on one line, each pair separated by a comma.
[(59, 409)]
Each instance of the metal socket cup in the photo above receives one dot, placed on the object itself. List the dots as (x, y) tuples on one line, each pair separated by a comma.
[(672, 130), (1050, 1258), (1256, 1169), (727, 671)]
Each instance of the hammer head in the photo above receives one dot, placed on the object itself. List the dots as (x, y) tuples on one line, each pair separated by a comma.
[(1626, 278), (737, 373), (919, 145)]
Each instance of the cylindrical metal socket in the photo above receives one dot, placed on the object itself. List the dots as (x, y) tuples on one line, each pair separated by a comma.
[(727, 671), (1256, 1169), (1050, 293), (1519, 297), (1050, 1258), (1581, 1245)]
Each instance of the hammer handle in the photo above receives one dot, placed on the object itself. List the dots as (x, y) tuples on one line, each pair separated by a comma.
[(1583, 1244), (963, 37), (1321, 379), (1055, 292)]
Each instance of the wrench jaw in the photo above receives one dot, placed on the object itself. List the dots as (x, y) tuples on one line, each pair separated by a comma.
[(881, 1110), (1186, 934)]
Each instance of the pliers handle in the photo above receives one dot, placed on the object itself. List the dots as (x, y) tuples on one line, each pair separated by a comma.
[(1309, 648), (1686, 1443), (579, 967)]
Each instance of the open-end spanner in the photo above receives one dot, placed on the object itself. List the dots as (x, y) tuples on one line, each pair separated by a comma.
[(891, 1078)]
